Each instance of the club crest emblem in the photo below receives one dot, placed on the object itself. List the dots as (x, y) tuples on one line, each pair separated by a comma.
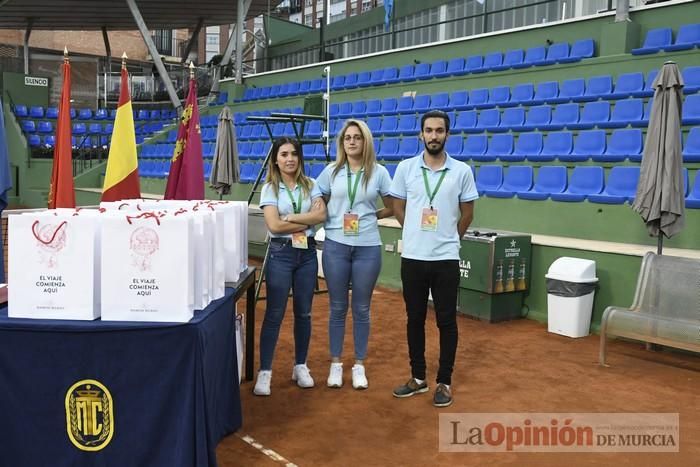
[(143, 244), (51, 239), (89, 415)]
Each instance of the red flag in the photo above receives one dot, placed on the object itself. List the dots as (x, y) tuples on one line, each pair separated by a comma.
[(61, 190), (186, 178)]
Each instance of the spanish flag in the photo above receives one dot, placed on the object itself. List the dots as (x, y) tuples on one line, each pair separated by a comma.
[(61, 189), (122, 175), (186, 178)]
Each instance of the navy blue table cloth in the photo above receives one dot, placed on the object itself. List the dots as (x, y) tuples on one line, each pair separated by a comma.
[(172, 389)]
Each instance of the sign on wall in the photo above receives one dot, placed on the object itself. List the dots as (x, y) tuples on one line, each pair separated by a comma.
[(36, 81)]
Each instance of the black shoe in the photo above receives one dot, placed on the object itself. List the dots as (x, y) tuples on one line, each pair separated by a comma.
[(443, 396), (410, 388)]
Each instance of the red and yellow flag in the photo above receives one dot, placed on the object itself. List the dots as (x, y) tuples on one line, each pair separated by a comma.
[(186, 178), (122, 175), (61, 189)]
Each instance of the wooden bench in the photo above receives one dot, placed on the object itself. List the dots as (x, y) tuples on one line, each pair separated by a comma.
[(666, 306)]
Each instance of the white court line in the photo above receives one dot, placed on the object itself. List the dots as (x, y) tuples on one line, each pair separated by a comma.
[(268, 452)]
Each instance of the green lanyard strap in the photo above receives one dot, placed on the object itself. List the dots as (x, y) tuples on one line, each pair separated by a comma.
[(352, 191), (296, 206), (431, 196)]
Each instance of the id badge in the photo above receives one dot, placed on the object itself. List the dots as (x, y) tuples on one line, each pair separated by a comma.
[(429, 220), (351, 224), (299, 240)]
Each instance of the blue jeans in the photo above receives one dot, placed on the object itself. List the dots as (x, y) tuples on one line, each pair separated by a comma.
[(343, 265), (288, 268)]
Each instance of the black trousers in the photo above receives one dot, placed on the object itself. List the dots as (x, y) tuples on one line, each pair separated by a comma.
[(442, 279)]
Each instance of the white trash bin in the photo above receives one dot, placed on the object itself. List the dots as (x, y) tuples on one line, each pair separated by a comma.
[(571, 284)]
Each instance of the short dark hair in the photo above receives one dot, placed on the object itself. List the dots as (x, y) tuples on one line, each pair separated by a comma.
[(435, 114)]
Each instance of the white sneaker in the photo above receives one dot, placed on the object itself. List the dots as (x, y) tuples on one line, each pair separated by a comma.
[(335, 376), (302, 376), (359, 380), (262, 385)]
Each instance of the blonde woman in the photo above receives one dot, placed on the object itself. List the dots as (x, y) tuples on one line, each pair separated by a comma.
[(352, 248), (292, 205)]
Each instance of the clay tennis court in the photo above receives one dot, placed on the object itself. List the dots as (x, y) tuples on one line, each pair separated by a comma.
[(514, 366)]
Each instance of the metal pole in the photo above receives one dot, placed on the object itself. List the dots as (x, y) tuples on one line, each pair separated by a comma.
[(241, 11), (193, 39), (108, 60), (27, 33), (622, 11)]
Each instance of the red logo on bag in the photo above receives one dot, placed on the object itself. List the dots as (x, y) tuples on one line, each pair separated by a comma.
[(51, 239), (143, 244)]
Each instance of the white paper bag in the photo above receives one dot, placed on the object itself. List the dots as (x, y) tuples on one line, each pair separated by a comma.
[(147, 267), (53, 265)]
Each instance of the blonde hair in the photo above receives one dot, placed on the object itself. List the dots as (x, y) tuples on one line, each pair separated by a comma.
[(274, 177), (369, 157)]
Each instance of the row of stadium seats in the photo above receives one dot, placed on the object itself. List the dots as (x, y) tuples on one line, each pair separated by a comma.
[(661, 39), (81, 142), (494, 61), (221, 99), (38, 112), (163, 151), (161, 169), (30, 126)]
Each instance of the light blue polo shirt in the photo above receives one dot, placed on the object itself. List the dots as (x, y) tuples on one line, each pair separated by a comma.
[(365, 205), (284, 204), (457, 186)]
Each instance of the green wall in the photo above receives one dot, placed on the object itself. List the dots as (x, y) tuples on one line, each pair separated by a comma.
[(14, 87)]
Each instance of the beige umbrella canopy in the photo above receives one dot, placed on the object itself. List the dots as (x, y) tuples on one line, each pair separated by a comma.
[(225, 168), (660, 198)]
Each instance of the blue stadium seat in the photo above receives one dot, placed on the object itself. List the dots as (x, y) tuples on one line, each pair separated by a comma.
[(364, 79), (94, 128), (344, 110), (275, 91), (52, 113), (338, 83), (621, 186), (244, 149), (528, 146), (440, 101), (474, 64), (408, 125), (584, 181), (518, 178), (692, 201), (499, 96), (691, 148), (537, 117), (44, 127), (404, 105), (317, 85), (628, 84), (557, 145), (21, 111), (466, 122), (243, 132), (655, 40), (422, 72), (593, 114), (100, 114), (597, 87), (583, 48), (556, 53), (304, 87), (49, 141), (587, 145), (389, 126), (408, 147), (79, 129), (459, 100), (108, 129), (522, 94), (34, 141), (623, 144), (493, 61), (438, 69), (475, 148), (644, 122), (314, 129), (687, 38), (454, 144), (154, 115), (406, 74), (691, 78), (546, 92), (390, 75), (500, 145), (479, 98), (358, 109), (512, 119), (550, 179), (625, 112), (36, 111), (377, 77), (534, 56), (334, 109), (389, 149), (570, 90), (488, 120), (691, 110), (512, 59), (563, 116), (389, 105), (421, 103), (490, 177)]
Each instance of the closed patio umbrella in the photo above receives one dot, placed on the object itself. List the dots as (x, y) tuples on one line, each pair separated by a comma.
[(660, 198), (225, 168)]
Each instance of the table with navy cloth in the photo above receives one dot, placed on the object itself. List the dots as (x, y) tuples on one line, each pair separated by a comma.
[(174, 386)]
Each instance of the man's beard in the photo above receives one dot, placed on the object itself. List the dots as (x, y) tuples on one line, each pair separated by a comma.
[(434, 152)]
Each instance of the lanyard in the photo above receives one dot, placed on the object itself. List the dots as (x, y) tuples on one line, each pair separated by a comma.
[(352, 191), (431, 196), (296, 206)]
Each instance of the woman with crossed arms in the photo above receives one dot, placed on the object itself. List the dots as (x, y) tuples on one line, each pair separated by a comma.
[(352, 247)]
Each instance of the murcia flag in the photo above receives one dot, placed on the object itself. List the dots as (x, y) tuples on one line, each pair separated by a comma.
[(186, 178), (122, 175)]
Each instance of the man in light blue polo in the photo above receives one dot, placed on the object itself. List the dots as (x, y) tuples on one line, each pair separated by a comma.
[(434, 202)]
